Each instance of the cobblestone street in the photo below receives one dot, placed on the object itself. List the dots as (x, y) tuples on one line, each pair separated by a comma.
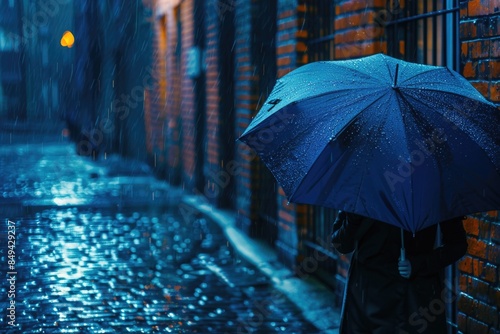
[(103, 247)]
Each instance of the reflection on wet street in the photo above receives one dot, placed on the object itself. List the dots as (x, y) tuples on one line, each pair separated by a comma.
[(82, 269)]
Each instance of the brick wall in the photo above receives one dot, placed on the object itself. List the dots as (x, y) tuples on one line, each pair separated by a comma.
[(246, 103), (173, 97), (220, 128), (156, 113), (479, 299), (188, 117), (480, 46), (212, 158), (357, 32)]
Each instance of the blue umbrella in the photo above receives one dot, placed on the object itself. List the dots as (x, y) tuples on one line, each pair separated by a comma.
[(408, 144)]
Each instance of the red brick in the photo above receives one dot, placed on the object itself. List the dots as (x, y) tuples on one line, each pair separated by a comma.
[(463, 10), (287, 24), (302, 59), (486, 314), (479, 289), (495, 294), (483, 69), (285, 36), (471, 224), (301, 47), (462, 322), (492, 215), (480, 49), (466, 304), (478, 7), (284, 71), (490, 273), (284, 49), (302, 33), (284, 61), (482, 87), (465, 54), (483, 27), (286, 14), (286, 217), (468, 30), (484, 229), (495, 91), (495, 48), (494, 26), (477, 268), (352, 6), (464, 281), (476, 327), (494, 7), (341, 23), (465, 265), (495, 232), (476, 247)]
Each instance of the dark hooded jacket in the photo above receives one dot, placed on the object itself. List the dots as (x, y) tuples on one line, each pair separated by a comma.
[(377, 299)]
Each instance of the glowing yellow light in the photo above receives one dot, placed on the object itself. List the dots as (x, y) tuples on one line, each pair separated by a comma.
[(67, 39)]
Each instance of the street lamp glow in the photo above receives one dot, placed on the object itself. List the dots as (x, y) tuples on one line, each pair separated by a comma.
[(67, 39)]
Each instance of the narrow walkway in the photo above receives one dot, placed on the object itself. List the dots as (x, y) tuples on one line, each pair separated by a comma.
[(104, 247)]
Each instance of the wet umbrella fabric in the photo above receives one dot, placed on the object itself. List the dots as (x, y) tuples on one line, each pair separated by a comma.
[(404, 143)]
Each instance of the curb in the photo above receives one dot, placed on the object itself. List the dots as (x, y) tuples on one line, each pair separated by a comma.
[(312, 297)]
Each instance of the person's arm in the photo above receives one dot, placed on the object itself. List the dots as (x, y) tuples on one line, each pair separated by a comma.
[(454, 247), (344, 232)]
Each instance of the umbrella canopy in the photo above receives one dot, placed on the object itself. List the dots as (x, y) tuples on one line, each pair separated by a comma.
[(404, 143)]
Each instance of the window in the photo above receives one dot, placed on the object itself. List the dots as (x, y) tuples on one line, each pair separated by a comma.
[(423, 32)]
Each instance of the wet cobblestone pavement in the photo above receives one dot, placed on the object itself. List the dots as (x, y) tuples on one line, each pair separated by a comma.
[(115, 268)]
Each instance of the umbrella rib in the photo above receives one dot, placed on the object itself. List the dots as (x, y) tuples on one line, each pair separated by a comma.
[(372, 151), (361, 72), (420, 73), (400, 101), (441, 92)]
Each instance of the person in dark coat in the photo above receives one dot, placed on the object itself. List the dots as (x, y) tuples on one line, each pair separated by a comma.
[(386, 295)]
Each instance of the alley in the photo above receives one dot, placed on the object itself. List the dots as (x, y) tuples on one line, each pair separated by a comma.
[(103, 247)]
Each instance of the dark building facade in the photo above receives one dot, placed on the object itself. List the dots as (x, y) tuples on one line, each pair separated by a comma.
[(12, 82), (219, 60)]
